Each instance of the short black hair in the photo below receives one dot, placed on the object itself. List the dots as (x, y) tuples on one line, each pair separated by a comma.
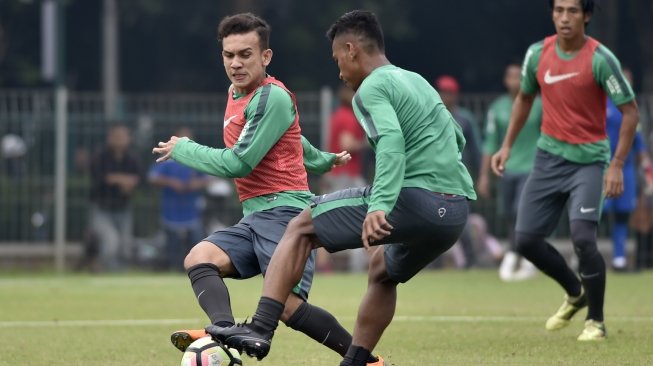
[(245, 23), (362, 23), (586, 5)]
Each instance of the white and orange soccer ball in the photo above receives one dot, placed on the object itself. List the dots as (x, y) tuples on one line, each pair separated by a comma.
[(206, 352)]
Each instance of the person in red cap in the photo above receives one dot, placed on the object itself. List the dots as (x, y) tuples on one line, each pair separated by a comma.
[(449, 90)]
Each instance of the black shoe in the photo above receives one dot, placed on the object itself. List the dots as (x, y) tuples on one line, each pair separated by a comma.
[(245, 337)]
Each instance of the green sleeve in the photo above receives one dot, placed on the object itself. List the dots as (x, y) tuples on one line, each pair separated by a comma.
[(379, 119), (607, 73), (269, 114), (219, 162), (529, 83), (316, 161), (490, 144)]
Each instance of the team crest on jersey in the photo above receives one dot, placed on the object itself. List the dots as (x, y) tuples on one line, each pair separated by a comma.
[(442, 211)]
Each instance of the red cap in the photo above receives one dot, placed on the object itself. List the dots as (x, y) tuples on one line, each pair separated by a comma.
[(447, 83)]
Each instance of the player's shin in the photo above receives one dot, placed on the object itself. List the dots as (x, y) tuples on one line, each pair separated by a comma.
[(321, 326), (211, 293)]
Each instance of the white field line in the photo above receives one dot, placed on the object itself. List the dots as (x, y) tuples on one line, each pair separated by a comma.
[(195, 321)]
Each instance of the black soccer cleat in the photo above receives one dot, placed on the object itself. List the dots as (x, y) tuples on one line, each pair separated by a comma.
[(245, 337)]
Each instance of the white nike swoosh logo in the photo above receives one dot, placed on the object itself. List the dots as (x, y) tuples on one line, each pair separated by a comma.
[(228, 120), (198, 296), (556, 78), (587, 210)]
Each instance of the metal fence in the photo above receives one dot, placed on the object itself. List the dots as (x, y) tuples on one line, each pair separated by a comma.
[(27, 159)]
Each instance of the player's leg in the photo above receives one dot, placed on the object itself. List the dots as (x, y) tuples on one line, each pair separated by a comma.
[(429, 224), (540, 206), (287, 267), (619, 239), (584, 213), (623, 206), (226, 253), (270, 229), (375, 312)]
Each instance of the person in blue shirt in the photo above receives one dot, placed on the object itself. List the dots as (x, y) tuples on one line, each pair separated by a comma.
[(181, 195), (621, 207)]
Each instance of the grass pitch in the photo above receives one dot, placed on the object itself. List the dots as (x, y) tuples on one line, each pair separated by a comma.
[(443, 318)]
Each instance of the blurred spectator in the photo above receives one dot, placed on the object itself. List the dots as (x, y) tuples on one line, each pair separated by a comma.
[(115, 174), (449, 91), (464, 252), (181, 197), (620, 208), (513, 267), (345, 133), (13, 149)]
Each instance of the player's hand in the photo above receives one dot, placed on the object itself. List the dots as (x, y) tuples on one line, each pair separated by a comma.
[(342, 158), (613, 181), (375, 228), (499, 160), (165, 149)]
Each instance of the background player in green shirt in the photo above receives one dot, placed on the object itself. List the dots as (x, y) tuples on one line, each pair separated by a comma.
[(573, 73), (523, 155), (418, 198)]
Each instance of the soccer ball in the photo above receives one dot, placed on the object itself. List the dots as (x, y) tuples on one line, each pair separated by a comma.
[(206, 352)]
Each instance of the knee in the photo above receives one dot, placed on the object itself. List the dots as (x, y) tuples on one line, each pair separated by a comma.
[(378, 273), (203, 252), (299, 227), (525, 243), (583, 236)]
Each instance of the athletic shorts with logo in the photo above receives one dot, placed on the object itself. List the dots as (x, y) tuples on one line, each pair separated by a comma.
[(553, 182), (425, 225), (252, 241)]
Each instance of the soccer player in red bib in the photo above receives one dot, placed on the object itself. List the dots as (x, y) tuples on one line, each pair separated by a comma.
[(268, 158), (573, 73)]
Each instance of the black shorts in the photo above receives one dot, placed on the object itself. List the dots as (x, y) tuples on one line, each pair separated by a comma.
[(252, 241), (425, 224)]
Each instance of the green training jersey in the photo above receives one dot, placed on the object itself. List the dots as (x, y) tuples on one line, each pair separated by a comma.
[(606, 71), (522, 155), (416, 140), (277, 116)]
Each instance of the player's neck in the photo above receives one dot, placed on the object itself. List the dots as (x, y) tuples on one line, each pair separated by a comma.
[(571, 45), (374, 62), (251, 87)]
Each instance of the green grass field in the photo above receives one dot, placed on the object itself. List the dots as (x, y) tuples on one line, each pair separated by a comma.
[(443, 318)]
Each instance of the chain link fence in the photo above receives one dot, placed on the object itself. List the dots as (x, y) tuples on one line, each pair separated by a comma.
[(27, 158)]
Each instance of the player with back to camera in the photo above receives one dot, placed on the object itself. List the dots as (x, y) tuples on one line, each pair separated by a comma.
[(573, 73), (418, 198), (268, 158)]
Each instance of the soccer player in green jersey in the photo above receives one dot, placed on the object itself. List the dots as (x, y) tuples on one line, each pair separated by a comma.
[(512, 267), (418, 198), (573, 73), (268, 159)]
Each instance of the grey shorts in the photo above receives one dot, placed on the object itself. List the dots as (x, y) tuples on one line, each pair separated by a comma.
[(511, 186), (426, 224), (553, 182), (252, 241)]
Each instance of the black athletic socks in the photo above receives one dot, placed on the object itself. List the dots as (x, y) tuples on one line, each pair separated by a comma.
[(211, 293), (268, 313), (356, 356), (591, 266), (320, 325)]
